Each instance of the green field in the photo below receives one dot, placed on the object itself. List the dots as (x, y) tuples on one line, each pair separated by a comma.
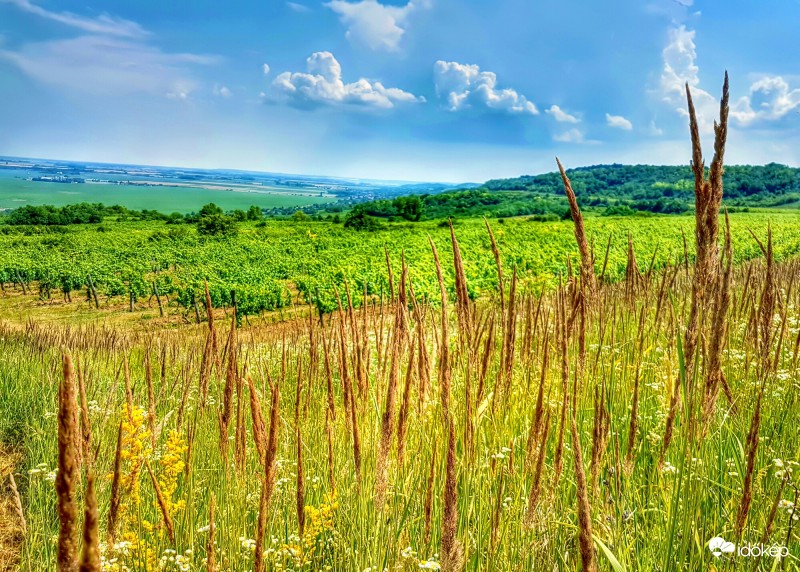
[(17, 192), (548, 404)]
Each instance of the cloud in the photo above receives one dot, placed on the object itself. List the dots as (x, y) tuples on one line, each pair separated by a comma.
[(103, 24), (378, 26), (618, 122), (680, 68), (323, 85), (560, 115), (655, 129), (466, 86), (301, 8), (768, 99), (222, 91), (773, 97), (572, 136), (100, 65)]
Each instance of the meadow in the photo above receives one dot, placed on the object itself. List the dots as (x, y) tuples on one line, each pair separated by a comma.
[(16, 192), (596, 394)]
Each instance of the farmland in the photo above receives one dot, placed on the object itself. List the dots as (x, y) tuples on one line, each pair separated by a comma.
[(334, 378), (594, 393)]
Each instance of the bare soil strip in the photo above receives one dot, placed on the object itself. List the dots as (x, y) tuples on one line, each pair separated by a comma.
[(11, 527)]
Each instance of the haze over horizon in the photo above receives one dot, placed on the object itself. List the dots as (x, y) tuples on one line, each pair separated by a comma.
[(386, 90)]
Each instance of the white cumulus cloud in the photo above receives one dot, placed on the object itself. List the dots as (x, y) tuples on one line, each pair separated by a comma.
[(618, 122), (466, 86), (769, 98), (680, 68), (560, 115), (323, 85), (378, 26), (772, 98)]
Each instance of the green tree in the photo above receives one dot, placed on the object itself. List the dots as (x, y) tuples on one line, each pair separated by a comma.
[(410, 208), (209, 210), (217, 225), (358, 219), (300, 216), (255, 213)]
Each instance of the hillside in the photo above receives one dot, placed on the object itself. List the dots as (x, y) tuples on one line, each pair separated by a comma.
[(606, 189)]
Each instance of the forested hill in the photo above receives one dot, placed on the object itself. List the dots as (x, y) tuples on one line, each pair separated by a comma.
[(606, 189), (656, 181)]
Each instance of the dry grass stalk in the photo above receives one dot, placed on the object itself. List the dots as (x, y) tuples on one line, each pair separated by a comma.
[(402, 416), (600, 432), (496, 514), (240, 435), (212, 331), (536, 486), (162, 504), (773, 511), (536, 423), (633, 427), (751, 448), (68, 474), (128, 387), (301, 485), (114, 503), (259, 427), (261, 529), (151, 399), (708, 200), (488, 350), (231, 375), (86, 425), (563, 334), (17, 500), (588, 279), (463, 306), (90, 553), (510, 336), (206, 364), (452, 552), (387, 424), (445, 375), (585, 541), (272, 440), (331, 411), (719, 331), (211, 557), (428, 506), (268, 481)]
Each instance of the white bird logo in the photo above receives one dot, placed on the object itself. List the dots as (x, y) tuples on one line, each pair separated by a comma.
[(719, 546)]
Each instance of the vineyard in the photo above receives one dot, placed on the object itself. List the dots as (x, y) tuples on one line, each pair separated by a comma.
[(599, 394), (274, 266)]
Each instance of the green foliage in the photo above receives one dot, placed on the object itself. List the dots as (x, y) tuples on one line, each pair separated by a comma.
[(410, 208), (209, 210), (358, 219), (217, 225), (83, 213), (255, 213)]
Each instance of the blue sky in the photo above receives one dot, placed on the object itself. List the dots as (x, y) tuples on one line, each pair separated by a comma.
[(446, 90)]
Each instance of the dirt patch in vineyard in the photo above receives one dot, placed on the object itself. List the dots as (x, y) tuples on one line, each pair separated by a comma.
[(12, 533)]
